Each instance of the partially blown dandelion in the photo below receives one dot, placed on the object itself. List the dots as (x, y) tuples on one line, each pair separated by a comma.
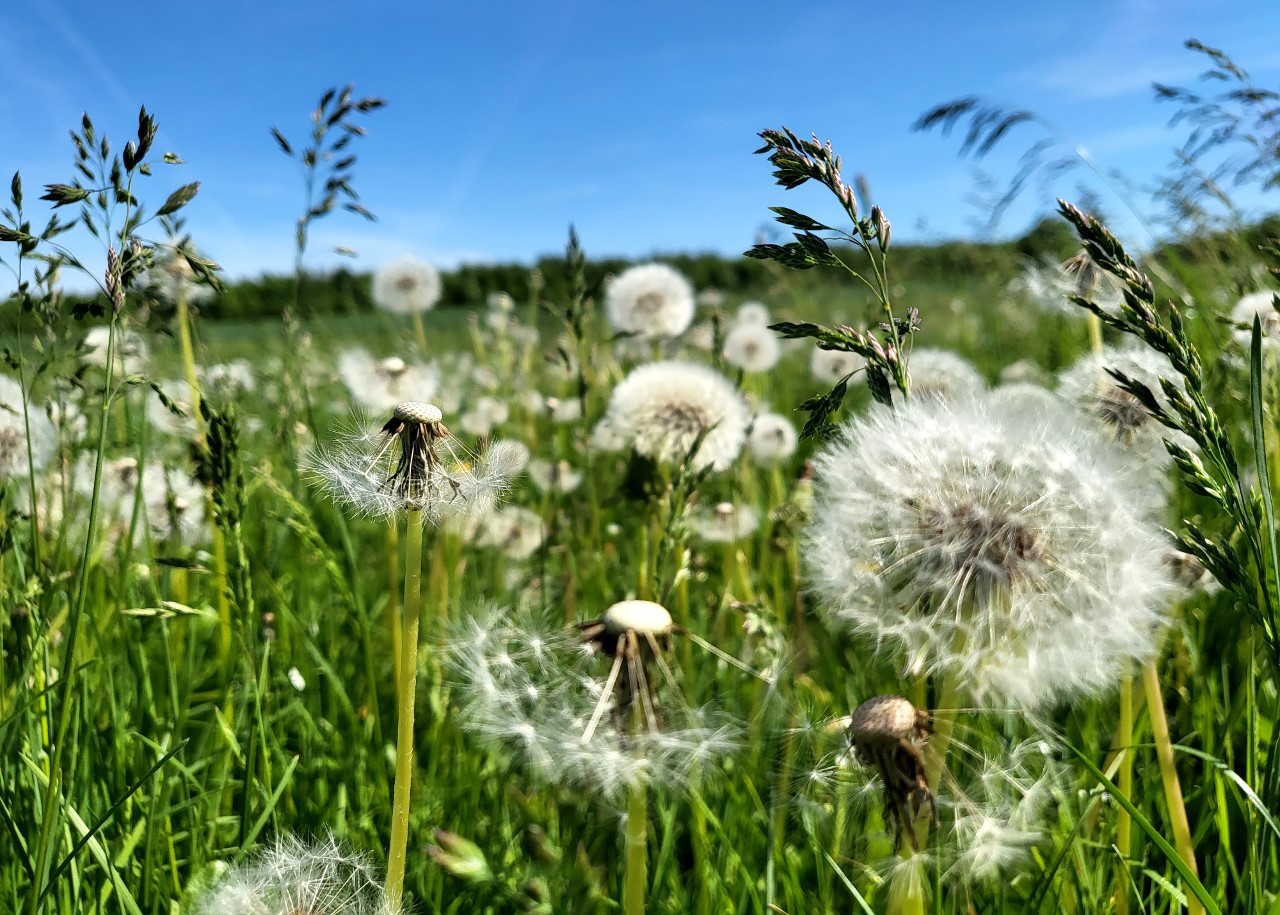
[(413, 463)]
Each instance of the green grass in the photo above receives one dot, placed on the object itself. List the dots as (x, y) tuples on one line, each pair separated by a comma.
[(180, 754)]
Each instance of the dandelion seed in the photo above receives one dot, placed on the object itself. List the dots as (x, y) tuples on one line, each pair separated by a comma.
[(413, 463), (406, 285), (752, 348), (650, 301), (1004, 553), (662, 409)]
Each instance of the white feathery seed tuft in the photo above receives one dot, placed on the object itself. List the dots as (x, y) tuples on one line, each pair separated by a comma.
[(406, 285), (752, 347), (650, 301), (1003, 552), (661, 409)]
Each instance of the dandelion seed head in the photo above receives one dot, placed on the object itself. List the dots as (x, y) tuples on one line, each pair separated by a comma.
[(297, 877), (752, 347), (1004, 552), (662, 408), (406, 285), (829, 366), (752, 313), (513, 529), (131, 350), (773, 438), (554, 477), (724, 522), (649, 301), (380, 384), (644, 617)]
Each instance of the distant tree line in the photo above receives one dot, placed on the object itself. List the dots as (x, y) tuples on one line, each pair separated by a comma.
[(345, 292)]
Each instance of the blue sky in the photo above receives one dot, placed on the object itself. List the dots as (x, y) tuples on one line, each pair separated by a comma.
[(636, 122)]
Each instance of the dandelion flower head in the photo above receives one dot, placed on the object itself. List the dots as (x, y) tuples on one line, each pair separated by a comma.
[(18, 433), (662, 408), (829, 365), (942, 374), (406, 285), (986, 546), (773, 438), (752, 347), (650, 300)]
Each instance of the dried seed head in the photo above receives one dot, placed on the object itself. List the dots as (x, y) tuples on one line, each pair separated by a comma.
[(412, 411), (885, 721), (643, 617)]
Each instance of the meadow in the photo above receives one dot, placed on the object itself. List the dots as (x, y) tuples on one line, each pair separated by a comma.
[(543, 603)]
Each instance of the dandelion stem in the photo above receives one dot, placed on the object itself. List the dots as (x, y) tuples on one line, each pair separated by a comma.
[(406, 691), (1169, 775), (1124, 825), (636, 876)]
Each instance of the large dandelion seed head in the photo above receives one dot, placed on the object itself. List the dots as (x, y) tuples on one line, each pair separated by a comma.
[(296, 877), (406, 285), (533, 691), (515, 530), (650, 300), (751, 347), (413, 463), (1000, 551), (661, 409)]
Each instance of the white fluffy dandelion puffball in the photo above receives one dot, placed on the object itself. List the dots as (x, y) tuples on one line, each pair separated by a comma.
[(988, 547), (661, 409), (406, 285), (1262, 306), (650, 300), (752, 348)]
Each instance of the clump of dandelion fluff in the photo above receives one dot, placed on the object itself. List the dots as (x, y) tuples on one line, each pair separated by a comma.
[(380, 384), (406, 285), (297, 877), (752, 313), (650, 300), (533, 691), (752, 348), (662, 408), (985, 546)]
